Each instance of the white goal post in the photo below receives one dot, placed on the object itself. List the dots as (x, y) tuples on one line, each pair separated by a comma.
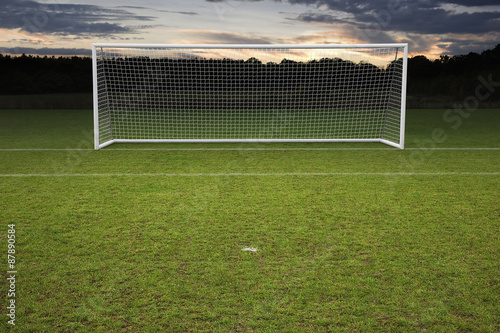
[(249, 93)]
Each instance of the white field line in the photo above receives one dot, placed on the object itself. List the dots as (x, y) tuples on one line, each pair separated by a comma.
[(230, 149), (43, 149), (284, 174)]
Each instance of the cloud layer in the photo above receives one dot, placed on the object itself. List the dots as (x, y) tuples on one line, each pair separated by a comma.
[(46, 51), (426, 17), (66, 19), (446, 26), (450, 25)]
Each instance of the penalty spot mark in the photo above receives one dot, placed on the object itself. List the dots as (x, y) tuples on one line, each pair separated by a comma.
[(251, 249)]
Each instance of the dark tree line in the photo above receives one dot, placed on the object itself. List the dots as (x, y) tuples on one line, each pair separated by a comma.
[(228, 83), (45, 75), (453, 77), (132, 74)]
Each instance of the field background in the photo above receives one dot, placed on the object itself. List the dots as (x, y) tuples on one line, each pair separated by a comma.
[(349, 237)]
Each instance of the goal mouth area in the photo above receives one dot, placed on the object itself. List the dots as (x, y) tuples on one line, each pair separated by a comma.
[(236, 93)]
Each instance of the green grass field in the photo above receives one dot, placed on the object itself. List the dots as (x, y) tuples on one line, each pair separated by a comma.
[(349, 237)]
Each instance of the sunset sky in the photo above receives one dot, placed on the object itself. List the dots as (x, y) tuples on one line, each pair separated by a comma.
[(65, 27)]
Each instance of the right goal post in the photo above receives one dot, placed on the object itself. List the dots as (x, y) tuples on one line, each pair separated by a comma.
[(249, 93)]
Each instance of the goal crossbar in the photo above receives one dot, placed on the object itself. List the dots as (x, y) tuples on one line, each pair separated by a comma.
[(204, 93), (252, 46)]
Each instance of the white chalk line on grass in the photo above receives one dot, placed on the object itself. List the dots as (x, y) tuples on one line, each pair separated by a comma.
[(284, 174), (43, 149), (235, 149)]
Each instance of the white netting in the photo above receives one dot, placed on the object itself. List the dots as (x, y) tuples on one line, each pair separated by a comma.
[(172, 93)]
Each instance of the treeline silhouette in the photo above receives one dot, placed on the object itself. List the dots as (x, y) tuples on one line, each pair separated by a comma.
[(249, 84), (28, 74), (450, 77), (455, 77), (133, 74)]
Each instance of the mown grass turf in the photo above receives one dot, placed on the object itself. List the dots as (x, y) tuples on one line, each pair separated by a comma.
[(73, 129), (358, 240)]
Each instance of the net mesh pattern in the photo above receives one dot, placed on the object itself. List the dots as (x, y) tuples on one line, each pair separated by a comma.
[(223, 94)]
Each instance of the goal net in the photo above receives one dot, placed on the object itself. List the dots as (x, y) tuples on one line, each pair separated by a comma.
[(249, 93)]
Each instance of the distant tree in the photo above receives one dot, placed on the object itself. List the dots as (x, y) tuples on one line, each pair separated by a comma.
[(253, 60)]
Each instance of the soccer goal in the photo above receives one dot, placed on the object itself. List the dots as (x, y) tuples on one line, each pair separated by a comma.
[(249, 93)]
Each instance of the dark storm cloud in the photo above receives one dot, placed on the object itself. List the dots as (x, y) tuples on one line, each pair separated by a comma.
[(427, 21), (65, 19), (159, 10), (319, 17), (427, 17), (46, 51), (424, 24), (470, 3), (411, 16), (178, 12), (439, 22)]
